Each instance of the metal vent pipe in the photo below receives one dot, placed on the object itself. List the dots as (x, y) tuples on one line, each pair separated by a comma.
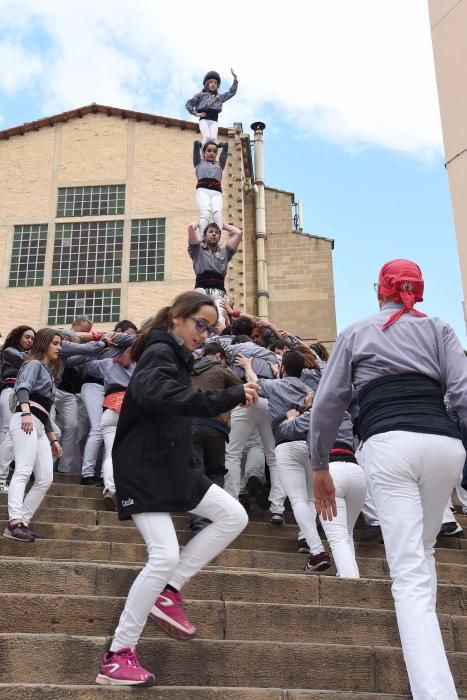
[(261, 235)]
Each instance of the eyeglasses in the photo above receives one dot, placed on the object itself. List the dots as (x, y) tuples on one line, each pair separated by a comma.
[(203, 327)]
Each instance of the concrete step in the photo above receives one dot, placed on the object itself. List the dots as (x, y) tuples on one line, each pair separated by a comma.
[(99, 615), (75, 502), (91, 692), (74, 660), (83, 550), (85, 578), (72, 516), (117, 534)]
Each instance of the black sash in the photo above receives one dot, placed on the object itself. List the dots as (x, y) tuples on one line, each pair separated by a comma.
[(408, 401)]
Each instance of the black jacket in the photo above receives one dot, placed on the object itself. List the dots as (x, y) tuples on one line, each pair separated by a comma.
[(152, 448)]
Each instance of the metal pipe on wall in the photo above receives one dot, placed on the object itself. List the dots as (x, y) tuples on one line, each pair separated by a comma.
[(261, 235)]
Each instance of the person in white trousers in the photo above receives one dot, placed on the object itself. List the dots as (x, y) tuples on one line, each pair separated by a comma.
[(34, 442), (153, 476), (207, 104), (210, 260), (401, 363), (14, 351), (209, 182)]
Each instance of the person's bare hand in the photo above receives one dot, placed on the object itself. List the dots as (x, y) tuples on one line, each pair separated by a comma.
[(309, 399), (242, 361), (251, 394), (26, 424), (325, 494), (275, 369), (200, 114), (262, 323), (293, 413), (56, 449)]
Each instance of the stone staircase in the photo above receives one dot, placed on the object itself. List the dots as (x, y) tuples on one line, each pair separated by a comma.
[(266, 630)]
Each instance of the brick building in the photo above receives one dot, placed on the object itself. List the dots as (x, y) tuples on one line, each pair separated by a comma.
[(94, 205)]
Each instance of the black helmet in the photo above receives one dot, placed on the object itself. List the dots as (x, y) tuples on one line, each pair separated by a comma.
[(212, 75)]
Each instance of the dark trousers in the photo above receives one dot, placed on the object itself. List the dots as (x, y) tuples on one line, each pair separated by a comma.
[(209, 459)]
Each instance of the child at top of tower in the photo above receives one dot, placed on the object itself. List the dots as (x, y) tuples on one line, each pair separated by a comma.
[(207, 104), (209, 176)]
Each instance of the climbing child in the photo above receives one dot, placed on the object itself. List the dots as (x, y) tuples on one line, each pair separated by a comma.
[(207, 104), (209, 176)]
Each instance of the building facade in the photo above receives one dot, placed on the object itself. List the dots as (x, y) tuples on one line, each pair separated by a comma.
[(448, 20), (94, 207)]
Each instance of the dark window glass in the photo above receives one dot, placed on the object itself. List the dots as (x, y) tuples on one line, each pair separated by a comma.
[(82, 250), (147, 244), (28, 256), (99, 304), (99, 200)]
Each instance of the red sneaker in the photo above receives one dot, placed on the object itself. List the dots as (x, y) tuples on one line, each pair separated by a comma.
[(318, 562), (169, 614), (123, 668)]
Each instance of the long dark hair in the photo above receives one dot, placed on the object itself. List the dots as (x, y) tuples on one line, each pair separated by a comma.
[(14, 336), (184, 305), (41, 343)]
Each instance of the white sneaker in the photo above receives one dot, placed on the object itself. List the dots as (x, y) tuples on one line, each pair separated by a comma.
[(3, 486)]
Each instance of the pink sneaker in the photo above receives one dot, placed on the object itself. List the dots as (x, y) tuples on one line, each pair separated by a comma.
[(168, 612), (123, 668)]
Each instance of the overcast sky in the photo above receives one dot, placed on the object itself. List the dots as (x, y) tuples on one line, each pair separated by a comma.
[(347, 90)]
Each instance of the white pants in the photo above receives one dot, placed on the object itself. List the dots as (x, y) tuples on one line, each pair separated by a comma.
[(66, 405), (350, 484), (209, 129), (32, 454), (167, 566), (210, 208), (92, 395), (410, 477), (109, 428), (6, 445), (243, 421), (294, 469), (217, 296)]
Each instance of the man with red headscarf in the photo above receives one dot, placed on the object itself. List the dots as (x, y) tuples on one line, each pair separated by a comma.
[(401, 363)]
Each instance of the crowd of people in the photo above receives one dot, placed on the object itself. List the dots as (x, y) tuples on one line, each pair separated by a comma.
[(205, 410)]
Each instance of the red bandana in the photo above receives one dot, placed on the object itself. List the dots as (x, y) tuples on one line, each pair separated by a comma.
[(402, 280)]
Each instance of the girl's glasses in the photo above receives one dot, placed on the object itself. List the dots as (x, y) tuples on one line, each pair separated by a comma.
[(203, 327)]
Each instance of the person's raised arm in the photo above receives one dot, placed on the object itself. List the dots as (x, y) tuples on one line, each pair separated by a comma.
[(235, 236), (245, 364), (192, 233), (197, 146), (233, 88)]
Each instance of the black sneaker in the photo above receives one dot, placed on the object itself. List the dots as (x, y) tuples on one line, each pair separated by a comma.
[(277, 519), (451, 530), (302, 546), (91, 481), (257, 490)]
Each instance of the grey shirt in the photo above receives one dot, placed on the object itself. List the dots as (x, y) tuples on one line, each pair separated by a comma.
[(205, 101), (206, 259), (364, 352), (206, 168), (113, 373), (12, 359), (283, 394), (261, 357)]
